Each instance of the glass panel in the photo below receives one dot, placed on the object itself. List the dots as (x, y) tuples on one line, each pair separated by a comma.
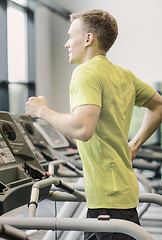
[(18, 96), (17, 44), (159, 89), (161, 135), (136, 122), (21, 2)]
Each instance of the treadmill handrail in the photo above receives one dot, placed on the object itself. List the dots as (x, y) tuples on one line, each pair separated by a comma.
[(76, 224), (151, 198), (10, 232), (47, 182)]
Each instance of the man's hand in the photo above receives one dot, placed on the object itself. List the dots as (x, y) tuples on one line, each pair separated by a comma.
[(133, 150), (35, 106), (152, 119)]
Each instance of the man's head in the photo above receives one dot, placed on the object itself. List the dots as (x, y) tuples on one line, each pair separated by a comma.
[(91, 27), (100, 23)]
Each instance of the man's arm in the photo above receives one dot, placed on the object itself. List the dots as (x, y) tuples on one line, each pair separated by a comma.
[(151, 121), (79, 125)]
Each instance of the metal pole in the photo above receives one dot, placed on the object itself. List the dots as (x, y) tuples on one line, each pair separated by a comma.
[(148, 188), (151, 198), (73, 235), (71, 224), (63, 196), (9, 232), (47, 182), (67, 210), (143, 197)]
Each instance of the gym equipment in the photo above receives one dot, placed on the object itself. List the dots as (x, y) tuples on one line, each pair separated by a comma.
[(156, 148), (19, 168), (150, 155), (11, 233), (34, 139), (29, 170), (46, 155), (115, 225), (56, 140), (91, 225)]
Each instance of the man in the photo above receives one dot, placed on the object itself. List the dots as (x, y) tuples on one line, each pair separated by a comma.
[(102, 97)]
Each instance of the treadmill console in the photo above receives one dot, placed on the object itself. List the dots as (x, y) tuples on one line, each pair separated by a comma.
[(34, 139), (19, 167), (54, 138), (57, 140)]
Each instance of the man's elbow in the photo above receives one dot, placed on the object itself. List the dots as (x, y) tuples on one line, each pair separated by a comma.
[(85, 135), (159, 112), (85, 138)]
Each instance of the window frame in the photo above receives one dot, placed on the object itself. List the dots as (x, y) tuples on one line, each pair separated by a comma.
[(4, 98), (4, 82)]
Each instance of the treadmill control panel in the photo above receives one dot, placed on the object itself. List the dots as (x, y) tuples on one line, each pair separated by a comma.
[(5, 154), (19, 167)]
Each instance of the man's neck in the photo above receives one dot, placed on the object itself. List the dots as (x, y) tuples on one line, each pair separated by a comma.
[(92, 54)]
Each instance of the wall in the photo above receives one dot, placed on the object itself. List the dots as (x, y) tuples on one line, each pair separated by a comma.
[(53, 70), (138, 46)]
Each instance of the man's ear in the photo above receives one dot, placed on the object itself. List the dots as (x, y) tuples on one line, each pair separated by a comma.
[(89, 39)]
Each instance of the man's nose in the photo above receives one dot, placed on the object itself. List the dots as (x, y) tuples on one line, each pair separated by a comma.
[(67, 44)]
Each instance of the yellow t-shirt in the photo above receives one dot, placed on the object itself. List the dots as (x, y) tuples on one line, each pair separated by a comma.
[(109, 179)]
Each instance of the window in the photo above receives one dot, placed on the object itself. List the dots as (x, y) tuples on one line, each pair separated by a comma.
[(136, 121), (17, 44), (17, 58), (137, 117), (21, 2)]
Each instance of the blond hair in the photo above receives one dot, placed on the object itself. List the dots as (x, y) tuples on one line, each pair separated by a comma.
[(101, 24)]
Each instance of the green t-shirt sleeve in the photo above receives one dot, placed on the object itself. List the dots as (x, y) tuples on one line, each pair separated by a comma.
[(85, 88), (143, 91)]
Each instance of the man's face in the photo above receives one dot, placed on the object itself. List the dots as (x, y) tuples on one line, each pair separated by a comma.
[(76, 42)]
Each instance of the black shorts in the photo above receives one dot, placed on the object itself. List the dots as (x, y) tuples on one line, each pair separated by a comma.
[(126, 214)]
